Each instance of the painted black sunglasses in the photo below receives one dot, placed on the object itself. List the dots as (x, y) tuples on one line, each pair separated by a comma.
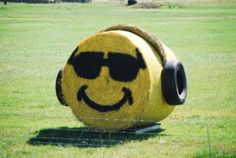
[(122, 67)]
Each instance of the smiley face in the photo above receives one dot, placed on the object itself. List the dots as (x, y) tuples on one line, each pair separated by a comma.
[(106, 78), (122, 68)]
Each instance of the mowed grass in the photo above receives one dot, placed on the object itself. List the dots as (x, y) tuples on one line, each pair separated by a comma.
[(37, 39)]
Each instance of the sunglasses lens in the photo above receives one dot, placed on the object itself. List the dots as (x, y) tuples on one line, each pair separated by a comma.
[(123, 67), (88, 65)]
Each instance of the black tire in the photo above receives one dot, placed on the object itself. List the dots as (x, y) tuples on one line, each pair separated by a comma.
[(174, 83), (60, 96), (132, 2)]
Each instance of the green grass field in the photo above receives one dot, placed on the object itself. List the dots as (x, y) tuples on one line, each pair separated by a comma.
[(37, 39)]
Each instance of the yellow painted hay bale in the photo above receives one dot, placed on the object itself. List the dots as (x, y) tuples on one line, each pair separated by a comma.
[(113, 79)]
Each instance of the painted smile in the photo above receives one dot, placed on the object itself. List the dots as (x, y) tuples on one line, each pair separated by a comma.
[(105, 108)]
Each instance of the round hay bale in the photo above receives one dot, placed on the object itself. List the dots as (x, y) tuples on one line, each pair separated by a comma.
[(113, 79), (148, 5)]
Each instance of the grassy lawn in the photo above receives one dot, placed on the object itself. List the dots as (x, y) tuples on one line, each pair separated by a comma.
[(37, 39)]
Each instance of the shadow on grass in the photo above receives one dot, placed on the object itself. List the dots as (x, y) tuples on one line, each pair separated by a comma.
[(86, 137)]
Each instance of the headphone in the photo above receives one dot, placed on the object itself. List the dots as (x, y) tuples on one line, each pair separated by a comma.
[(173, 77)]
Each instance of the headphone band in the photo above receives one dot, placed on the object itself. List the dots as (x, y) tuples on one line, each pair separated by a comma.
[(151, 39)]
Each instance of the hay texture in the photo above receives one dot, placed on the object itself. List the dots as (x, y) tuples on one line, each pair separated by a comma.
[(112, 80)]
